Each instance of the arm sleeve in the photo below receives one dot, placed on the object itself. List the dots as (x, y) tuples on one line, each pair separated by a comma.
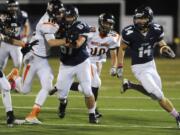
[(48, 30)]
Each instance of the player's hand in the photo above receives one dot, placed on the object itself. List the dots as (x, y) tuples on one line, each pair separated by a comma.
[(29, 46), (113, 71), (120, 71), (167, 52)]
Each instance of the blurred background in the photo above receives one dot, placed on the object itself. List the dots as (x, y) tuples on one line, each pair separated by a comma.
[(166, 13)]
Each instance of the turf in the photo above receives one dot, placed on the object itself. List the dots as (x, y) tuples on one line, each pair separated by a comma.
[(123, 114)]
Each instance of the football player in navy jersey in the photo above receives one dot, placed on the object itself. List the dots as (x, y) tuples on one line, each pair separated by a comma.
[(75, 62), (141, 39), (20, 29)]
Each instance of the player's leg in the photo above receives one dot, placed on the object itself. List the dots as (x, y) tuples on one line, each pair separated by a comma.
[(84, 76), (3, 56), (165, 102), (6, 98), (129, 85), (64, 81), (45, 75), (150, 84), (16, 56), (96, 84)]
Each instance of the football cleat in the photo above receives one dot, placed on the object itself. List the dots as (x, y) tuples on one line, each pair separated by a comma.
[(51, 92), (10, 118), (93, 119), (125, 85), (178, 121), (62, 109), (97, 114), (32, 120)]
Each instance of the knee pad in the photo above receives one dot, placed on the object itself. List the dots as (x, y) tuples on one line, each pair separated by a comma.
[(96, 82), (86, 89)]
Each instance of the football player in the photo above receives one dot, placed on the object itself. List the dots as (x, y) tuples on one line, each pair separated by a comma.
[(141, 39), (36, 60), (75, 62), (98, 43), (19, 24)]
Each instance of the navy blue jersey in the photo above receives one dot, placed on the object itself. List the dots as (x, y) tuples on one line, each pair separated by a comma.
[(142, 46), (19, 20), (74, 56)]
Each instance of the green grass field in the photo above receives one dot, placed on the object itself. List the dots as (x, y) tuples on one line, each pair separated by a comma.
[(123, 114)]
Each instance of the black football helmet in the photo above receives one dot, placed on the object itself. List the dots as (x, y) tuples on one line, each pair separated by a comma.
[(55, 9), (12, 6), (143, 12), (106, 22), (71, 15)]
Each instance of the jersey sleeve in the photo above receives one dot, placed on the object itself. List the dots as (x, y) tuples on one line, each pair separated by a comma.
[(125, 35), (48, 30), (115, 41), (159, 32)]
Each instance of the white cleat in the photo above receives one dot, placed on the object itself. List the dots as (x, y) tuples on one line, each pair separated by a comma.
[(19, 122), (32, 120)]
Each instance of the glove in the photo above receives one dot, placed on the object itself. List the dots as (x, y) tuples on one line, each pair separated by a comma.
[(113, 71), (28, 47), (120, 71), (167, 52)]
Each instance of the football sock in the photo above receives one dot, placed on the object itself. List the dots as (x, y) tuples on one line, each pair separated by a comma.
[(174, 113), (35, 111), (95, 92)]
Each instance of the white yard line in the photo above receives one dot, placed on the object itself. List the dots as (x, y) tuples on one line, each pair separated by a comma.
[(110, 126), (104, 109), (103, 126), (102, 97)]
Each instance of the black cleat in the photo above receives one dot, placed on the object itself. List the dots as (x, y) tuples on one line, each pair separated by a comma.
[(125, 85), (97, 114), (62, 108), (93, 119), (10, 118), (178, 121), (51, 92)]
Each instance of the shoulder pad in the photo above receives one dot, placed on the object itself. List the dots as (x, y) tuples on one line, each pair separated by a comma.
[(128, 30), (81, 27)]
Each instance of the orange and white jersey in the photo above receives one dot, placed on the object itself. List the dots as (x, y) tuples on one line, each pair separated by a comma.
[(45, 31), (98, 46)]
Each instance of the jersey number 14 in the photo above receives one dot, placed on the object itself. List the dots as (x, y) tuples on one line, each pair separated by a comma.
[(144, 51)]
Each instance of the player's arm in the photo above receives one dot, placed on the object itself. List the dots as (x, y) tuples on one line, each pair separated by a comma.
[(121, 53), (113, 54), (26, 31), (165, 50), (80, 41), (12, 41), (56, 42)]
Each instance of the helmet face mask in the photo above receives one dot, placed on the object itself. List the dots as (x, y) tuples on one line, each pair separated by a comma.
[(55, 9), (106, 23), (71, 15), (143, 18), (12, 6)]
